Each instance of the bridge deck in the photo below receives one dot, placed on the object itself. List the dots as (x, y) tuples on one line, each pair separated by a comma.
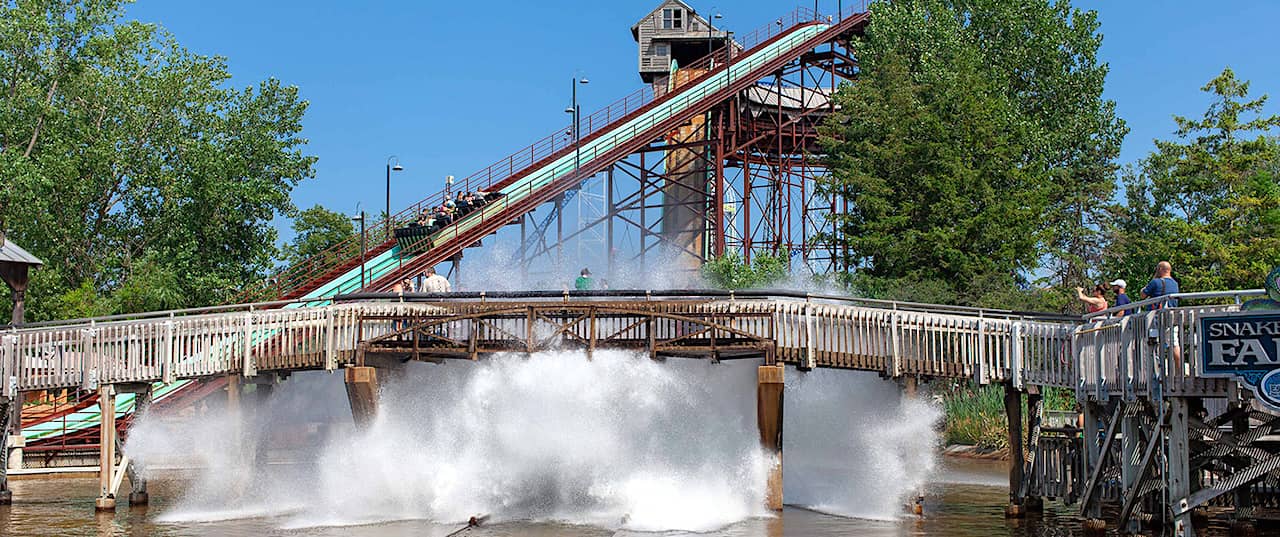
[(809, 332)]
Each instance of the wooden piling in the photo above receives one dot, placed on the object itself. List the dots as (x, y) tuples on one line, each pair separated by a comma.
[(362, 394), (769, 387), (1013, 411), (106, 447), (1035, 413)]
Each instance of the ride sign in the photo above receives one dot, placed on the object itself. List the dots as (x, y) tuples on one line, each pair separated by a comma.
[(1246, 347)]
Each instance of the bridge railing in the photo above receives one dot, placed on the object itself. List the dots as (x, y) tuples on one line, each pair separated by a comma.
[(810, 330), (1150, 353)]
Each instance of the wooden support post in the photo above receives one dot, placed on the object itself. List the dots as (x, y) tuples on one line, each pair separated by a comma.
[(1035, 412), (1013, 411), (769, 388), (1179, 454), (1130, 447), (106, 447), (910, 389), (1091, 432), (362, 393), (137, 480), (1242, 517), (6, 495)]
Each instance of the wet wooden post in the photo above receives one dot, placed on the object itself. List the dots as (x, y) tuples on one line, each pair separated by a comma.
[(6, 495), (910, 388), (1013, 411), (769, 387), (106, 447), (362, 394), (137, 480), (1092, 454), (1035, 413)]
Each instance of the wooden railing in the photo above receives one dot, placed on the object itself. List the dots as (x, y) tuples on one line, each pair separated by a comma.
[(1150, 353), (810, 331)]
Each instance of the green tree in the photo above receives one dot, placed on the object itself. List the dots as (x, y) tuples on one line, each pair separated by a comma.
[(730, 271), (974, 147), (126, 156), (316, 230), (1208, 201)]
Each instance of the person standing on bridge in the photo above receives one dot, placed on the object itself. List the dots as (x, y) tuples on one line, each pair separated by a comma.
[(435, 283), (1162, 284), (1096, 300), (584, 283), (1122, 298)]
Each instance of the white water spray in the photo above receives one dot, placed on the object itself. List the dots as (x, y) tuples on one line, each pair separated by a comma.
[(853, 446), (619, 441)]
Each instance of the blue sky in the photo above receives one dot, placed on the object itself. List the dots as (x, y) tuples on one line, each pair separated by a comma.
[(450, 87)]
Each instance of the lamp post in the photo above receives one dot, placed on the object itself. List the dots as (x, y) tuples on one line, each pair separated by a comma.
[(710, 29), (360, 217), (391, 168), (576, 111)]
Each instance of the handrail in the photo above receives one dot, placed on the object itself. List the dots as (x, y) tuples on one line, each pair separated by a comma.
[(225, 308), (709, 293), (1201, 295)]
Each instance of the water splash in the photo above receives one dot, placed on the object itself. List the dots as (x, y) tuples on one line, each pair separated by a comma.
[(854, 446), (619, 442)]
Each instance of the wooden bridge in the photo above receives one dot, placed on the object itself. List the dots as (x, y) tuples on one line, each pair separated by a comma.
[(1167, 438), (808, 331)]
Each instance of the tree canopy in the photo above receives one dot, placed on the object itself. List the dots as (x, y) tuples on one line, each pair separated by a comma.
[(132, 166), (315, 230), (1209, 200), (975, 147)]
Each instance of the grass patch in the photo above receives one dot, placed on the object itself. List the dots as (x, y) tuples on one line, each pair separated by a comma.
[(975, 414)]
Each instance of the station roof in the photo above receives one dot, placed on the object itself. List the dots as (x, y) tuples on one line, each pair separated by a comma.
[(693, 13), (12, 253)]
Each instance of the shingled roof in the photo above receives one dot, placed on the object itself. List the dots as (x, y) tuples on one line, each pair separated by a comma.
[(12, 253)]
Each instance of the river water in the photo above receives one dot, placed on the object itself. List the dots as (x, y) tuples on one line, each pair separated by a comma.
[(550, 445), (966, 499)]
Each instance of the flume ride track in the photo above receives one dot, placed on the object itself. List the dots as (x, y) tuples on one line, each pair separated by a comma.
[(527, 178)]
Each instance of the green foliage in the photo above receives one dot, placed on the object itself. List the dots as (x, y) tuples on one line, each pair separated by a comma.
[(985, 290), (1209, 201), (316, 230), (730, 271), (975, 415), (974, 146), (130, 161)]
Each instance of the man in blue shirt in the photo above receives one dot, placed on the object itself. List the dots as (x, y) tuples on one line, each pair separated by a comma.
[(1121, 298), (1161, 285)]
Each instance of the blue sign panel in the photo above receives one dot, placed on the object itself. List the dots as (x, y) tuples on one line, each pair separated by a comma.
[(1246, 347)]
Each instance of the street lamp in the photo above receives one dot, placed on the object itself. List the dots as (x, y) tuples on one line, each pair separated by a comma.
[(576, 111), (390, 168), (710, 28), (360, 217)]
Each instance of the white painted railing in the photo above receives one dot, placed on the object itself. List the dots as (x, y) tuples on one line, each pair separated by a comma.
[(1149, 353), (810, 333)]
